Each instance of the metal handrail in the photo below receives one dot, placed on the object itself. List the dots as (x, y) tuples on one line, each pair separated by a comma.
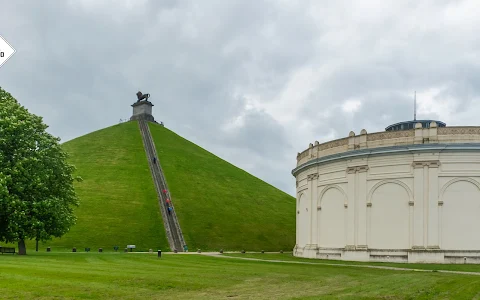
[(174, 235), (164, 182)]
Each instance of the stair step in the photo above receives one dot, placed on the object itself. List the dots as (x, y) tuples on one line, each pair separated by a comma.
[(172, 227)]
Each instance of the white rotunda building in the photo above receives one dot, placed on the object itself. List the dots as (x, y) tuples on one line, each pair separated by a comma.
[(408, 194)]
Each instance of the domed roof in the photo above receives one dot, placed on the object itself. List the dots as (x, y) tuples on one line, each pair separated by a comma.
[(411, 125)]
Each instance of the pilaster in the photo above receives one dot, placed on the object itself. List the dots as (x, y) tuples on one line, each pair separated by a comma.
[(411, 218), (363, 139), (426, 212), (433, 133), (351, 141), (418, 139), (440, 221), (433, 218), (361, 179), (357, 207), (296, 217), (425, 203), (418, 208), (313, 186), (351, 207), (310, 248), (309, 208)]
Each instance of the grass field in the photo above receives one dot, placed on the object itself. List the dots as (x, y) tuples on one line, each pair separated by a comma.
[(177, 276), (118, 202), (219, 205)]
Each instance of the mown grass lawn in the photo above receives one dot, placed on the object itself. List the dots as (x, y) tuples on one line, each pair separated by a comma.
[(180, 276), (288, 257)]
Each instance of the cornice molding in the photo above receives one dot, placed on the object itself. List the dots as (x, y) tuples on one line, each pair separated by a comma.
[(395, 150)]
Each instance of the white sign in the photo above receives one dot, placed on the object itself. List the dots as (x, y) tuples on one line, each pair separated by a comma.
[(6, 51), (131, 246)]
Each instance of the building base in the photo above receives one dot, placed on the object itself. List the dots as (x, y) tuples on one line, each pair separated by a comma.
[(146, 117), (426, 256)]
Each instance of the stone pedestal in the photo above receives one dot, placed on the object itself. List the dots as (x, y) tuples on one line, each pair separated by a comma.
[(142, 111)]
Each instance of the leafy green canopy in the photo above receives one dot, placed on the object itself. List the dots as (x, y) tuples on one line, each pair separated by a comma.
[(36, 183)]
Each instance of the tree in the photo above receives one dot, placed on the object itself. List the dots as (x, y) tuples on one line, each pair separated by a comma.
[(37, 195)]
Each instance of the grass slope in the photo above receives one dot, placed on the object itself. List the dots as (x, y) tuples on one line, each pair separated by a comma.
[(118, 201), (220, 205), (177, 276)]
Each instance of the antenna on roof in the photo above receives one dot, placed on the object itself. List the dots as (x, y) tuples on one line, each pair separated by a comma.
[(415, 106)]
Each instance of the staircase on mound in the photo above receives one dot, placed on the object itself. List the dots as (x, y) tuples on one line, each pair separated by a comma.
[(172, 227)]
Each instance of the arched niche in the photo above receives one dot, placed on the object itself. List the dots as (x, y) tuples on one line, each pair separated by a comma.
[(329, 187), (303, 220), (460, 214), (389, 215), (398, 182), (331, 217)]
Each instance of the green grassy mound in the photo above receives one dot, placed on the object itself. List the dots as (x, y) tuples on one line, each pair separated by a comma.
[(219, 205), (118, 205)]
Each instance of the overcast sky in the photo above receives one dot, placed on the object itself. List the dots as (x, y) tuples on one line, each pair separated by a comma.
[(254, 82)]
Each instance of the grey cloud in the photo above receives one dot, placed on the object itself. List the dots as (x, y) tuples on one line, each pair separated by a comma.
[(80, 67), (259, 133)]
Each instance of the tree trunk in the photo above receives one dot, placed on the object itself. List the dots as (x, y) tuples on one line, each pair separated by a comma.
[(22, 250), (36, 245)]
